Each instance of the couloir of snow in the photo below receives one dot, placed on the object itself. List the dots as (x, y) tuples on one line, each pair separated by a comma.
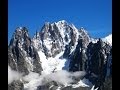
[(51, 64)]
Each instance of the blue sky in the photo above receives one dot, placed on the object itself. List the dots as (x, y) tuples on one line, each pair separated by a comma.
[(94, 15)]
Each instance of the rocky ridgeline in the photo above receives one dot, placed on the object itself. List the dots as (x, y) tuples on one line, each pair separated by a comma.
[(78, 48)]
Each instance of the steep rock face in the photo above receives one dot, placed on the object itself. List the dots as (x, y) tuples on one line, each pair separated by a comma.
[(16, 85), (78, 58), (108, 84), (22, 56), (82, 41), (56, 37), (96, 60), (99, 62)]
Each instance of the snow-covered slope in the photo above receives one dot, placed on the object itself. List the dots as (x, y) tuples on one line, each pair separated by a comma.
[(51, 64), (108, 39)]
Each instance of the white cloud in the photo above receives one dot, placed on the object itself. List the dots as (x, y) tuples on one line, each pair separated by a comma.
[(13, 75), (78, 73), (62, 77), (31, 76)]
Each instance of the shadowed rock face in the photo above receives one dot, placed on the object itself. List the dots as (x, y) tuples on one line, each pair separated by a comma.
[(16, 85), (78, 88), (108, 84), (21, 47), (95, 60), (78, 58), (99, 63)]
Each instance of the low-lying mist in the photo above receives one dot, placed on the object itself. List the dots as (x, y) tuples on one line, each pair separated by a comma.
[(13, 75), (61, 77)]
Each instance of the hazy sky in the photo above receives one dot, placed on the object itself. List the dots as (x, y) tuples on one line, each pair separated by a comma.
[(94, 15)]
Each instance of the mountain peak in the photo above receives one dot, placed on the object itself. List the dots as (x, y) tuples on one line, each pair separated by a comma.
[(62, 21), (23, 29), (20, 34), (108, 39)]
